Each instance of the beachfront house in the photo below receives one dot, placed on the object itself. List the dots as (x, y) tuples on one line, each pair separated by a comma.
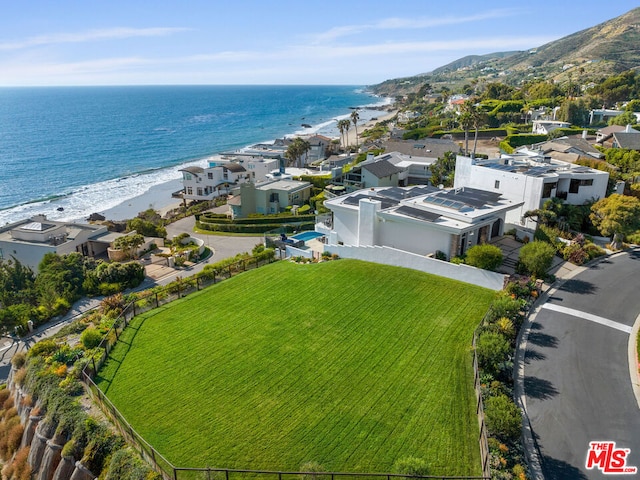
[(273, 196), (529, 180), (222, 173), (29, 240)]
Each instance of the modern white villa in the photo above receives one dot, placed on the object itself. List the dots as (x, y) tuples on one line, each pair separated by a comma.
[(529, 180), (421, 220), (414, 227)]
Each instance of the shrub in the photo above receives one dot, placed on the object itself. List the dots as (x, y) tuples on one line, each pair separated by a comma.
[(485, 256), (309, 468), (536, 257), (504, 306), (503, 417), (493, 351), (411, 466), (19, 360), (126, 465), (91, 338), (575, 254), (43, 348)]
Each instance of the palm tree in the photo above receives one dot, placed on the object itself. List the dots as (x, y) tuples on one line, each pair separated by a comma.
[(343, 126), (296, 150), (354, 119), (347, 125)]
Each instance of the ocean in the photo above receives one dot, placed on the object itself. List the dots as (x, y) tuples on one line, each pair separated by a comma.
[(71, 151)]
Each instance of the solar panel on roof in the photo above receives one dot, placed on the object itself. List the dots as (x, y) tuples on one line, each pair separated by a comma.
[(417, 213), (355, 200)]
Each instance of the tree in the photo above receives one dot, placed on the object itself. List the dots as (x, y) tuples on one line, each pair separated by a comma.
[(16, 283), (503, 417), (626, 118), (129, 244), (296, 150), (616, 216), (536, 257), (485, 256), (354, 119), (343, 126), (465, 120), (443, 170)]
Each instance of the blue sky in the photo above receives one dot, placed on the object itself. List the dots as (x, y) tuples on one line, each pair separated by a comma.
[(87, 42)]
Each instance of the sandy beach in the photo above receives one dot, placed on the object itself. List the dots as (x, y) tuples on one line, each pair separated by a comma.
[(159, 196), (351, 134)]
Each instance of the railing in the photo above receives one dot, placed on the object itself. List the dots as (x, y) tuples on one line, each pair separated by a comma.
[(164, 466), (483, 438)]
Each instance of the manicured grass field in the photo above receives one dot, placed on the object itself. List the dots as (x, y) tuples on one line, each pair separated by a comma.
[(346, 363)]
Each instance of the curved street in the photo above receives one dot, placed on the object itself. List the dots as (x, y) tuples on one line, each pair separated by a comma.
[(577, 380)]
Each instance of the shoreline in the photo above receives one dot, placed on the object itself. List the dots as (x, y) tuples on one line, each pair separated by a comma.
[(158, 196)]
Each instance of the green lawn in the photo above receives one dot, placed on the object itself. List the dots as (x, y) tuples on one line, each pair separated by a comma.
[(347, 363)]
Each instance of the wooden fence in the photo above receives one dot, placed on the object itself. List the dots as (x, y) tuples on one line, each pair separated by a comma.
[(154, 299)]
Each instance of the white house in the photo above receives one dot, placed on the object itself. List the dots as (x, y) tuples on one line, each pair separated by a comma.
[(545, 127), (31, 239), (530, 181), (224, 172), (419, 220)]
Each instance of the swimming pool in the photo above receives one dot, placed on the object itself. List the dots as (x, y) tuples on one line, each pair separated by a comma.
[(306, 236)]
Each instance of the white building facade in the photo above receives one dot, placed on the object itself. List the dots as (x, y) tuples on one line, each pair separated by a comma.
[(530, 181)]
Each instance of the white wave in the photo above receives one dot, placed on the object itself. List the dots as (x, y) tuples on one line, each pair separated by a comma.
[(98, 197)]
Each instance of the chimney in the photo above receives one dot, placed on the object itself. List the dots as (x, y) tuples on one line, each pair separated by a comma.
[(628, 128), (584, 134)]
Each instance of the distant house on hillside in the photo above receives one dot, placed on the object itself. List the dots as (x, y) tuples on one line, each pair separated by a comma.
[(628, 140), (563, 149), (600, 115), (604, 135), (545, 127)]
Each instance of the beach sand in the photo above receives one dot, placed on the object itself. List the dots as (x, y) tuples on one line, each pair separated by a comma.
[(157, 197)]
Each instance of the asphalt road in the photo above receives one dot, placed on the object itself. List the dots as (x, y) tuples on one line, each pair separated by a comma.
[(577, 376)]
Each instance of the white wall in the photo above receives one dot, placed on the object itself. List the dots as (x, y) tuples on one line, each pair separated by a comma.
[(346, 222), (414, 238), (391, 256)]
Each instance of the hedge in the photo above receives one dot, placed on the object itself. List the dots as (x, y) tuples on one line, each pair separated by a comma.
[(520, 139), (266, 219), (254, 228)]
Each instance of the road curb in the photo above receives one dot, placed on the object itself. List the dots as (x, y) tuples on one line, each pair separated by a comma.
[(532, 451), (633, 360)]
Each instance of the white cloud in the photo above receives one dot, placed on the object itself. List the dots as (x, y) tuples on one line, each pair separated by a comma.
[(395, 23), (116, 33)]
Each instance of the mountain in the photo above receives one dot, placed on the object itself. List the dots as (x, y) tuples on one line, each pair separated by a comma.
[(607, 48)]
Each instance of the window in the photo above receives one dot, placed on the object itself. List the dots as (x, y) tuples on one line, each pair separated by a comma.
[(199, 191), (189, 191), (210, 175), (186, 176), (575, 184), (547, 188), (496, 185)]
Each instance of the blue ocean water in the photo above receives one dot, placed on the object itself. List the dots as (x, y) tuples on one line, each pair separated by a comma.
[(87, 149)]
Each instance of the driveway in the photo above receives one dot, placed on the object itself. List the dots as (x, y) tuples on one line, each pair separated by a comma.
[(577, 373)]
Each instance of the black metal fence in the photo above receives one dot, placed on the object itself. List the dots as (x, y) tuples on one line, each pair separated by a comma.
[(181, 288)]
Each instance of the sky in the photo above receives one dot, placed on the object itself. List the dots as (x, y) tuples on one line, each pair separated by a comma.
[(351, 42)]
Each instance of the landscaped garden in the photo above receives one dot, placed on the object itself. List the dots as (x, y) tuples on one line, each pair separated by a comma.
[(349, 364)]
